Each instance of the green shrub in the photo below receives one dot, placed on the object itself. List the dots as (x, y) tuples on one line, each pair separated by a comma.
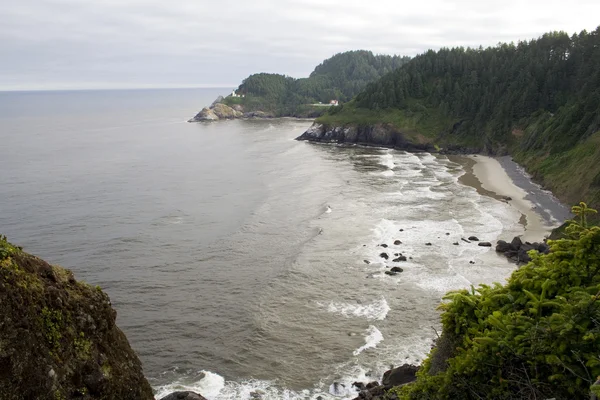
[(538, 336)]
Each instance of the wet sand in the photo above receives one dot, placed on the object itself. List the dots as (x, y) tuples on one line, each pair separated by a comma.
[(498, 178)]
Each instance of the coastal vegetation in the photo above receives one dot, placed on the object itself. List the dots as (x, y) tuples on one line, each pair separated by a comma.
[(340, 77), (537, 100), (535, 337)]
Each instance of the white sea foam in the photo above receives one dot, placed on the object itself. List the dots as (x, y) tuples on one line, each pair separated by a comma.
[(210, 385), (373, 338), (387, 160), (377, 310), (389, 172), (214, 387)]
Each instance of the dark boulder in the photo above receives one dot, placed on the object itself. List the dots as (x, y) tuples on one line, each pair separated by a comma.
[(397, 242), (543, 248), (384, 255), (397, 269), (484, 244), (455, 243), (516, 243), (473, 238), (399, 376), (183, 396), (401, 258), (502, 246), (359, 385), (428, 244), (384, 245), (465, 240), (371, 385), (391, 273), (522, 254), (367, 262)]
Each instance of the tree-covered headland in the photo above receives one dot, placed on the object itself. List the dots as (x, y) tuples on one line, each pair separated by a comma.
[(340, 77)]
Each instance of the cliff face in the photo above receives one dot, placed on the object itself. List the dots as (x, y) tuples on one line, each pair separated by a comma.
[(58, 338), (374, 135), (381, 135)]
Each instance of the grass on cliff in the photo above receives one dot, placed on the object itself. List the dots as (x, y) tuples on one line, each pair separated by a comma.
[(535, 337)]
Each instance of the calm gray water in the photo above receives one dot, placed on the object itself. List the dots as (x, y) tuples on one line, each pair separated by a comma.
[(234, 254)]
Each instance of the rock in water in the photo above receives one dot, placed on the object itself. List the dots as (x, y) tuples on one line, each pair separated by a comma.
[(206, 114), (485, 244), (184, 396), (58, 337), (384, 256), (516, 243), (473, 238), (502, 246), (399, 376)]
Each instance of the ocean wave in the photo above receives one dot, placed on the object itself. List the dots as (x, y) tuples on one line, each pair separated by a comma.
[(387, 160), (210, 385), (373, 338), (377, 310)]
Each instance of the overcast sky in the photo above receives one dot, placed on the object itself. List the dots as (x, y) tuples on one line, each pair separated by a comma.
[(76, 44)]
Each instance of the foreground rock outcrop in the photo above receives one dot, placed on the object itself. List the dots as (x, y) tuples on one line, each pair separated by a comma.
[(58, 337)]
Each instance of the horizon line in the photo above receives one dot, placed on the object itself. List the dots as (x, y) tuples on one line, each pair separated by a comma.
[(81, 89)]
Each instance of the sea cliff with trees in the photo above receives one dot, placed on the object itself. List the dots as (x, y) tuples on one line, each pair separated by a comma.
[(338, 78)]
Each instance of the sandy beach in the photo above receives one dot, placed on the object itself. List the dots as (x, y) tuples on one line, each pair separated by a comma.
[(490, 177)]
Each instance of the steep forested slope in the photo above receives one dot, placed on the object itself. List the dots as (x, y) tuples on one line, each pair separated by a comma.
[(340, 77), (538, 100)]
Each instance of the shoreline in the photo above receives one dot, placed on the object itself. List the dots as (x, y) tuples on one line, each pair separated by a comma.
[(504, 180)]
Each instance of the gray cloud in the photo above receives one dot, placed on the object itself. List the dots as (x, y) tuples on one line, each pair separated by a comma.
[(144, 43)]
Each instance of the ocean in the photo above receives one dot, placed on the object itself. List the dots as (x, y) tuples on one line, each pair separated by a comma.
[(242, 262)]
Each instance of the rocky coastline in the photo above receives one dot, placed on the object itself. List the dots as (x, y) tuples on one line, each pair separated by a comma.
[(220, 111), (379, 135)]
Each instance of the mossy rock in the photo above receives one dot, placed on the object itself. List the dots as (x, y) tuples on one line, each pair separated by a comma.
[(58, 337)]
